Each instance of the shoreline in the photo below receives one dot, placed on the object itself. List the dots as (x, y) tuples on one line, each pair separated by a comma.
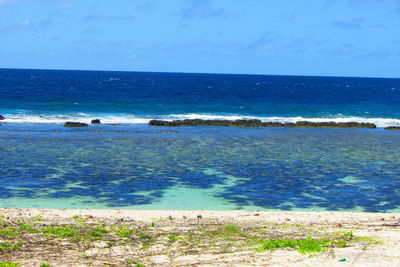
[(65, 237), (215, 120), (149, 215)]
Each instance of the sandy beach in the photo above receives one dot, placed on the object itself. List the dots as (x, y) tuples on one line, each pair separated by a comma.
[(68, 237)]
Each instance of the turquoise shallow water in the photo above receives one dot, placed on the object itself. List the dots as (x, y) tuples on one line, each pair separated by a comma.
[(141, 167)]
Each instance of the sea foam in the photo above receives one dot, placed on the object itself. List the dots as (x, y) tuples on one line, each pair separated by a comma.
[(132, 119)]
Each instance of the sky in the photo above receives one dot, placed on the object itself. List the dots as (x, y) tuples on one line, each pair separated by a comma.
[(358, 38)]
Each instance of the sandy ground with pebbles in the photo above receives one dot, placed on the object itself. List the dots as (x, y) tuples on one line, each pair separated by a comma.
[(376, 239)]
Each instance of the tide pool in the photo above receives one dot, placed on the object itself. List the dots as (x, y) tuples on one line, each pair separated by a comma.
[(221, 168)]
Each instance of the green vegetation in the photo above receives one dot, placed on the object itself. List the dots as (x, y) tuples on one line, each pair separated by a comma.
[(63, 231), (341, 243), (144, 237), (10, 246), (146, 240), (8, 264), (173, 238), (136, 264), (348, 235), (303, 246), (27, 227), (96, 233), (82, 222), (176, 237), (144, 247), (9, 232), (230, 232), (125, 233), (37, 218)]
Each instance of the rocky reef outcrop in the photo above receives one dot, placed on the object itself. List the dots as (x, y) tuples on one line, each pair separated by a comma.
[(258, 123), (2, 118), (75, 124), (335, 124), (393, 128), (95, 121)]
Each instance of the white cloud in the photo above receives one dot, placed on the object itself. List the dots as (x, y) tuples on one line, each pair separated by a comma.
[(18, 27), (25, 23), (5, 2)]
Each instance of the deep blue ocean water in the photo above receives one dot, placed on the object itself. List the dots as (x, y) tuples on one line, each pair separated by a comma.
[(42, 95), (124, 163)]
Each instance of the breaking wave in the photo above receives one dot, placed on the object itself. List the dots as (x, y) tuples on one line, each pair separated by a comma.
[(133, 119)]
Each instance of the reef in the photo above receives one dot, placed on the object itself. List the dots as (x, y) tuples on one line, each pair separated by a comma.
[(393, 128), (258, 123), (75, 124)]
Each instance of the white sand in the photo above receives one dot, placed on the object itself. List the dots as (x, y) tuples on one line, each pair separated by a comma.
[(384, 227)]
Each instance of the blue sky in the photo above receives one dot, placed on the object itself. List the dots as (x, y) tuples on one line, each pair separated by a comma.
[(294, 37)]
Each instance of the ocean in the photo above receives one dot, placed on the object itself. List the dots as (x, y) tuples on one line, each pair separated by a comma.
[(125, 164)]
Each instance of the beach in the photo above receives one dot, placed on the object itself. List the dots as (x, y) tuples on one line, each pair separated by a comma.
[(196, 238)]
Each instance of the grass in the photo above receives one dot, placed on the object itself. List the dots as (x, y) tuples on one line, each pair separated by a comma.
[(144, 247), (9, 232), (62, 232), (348, 235), (44, 265), (173, 238), (144, 237), (10, 246), (8, 264), (125, 233), (135, 264), (341, 243), (229, 232), (235, 233), (96, 233), (37, 218), (27, 228), (303, 246), (146, 240), (194, 237)]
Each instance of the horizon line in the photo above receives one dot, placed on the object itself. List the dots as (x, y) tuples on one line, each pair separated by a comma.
[(205, 73)]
